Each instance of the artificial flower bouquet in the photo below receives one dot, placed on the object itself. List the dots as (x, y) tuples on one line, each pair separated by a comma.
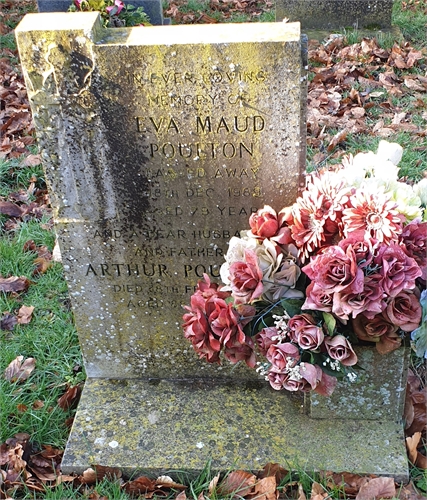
[(114, 13), (345, 264)]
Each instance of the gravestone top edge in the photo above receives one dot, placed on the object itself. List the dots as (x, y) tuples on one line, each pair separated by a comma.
[(157, 35), (58, 21)]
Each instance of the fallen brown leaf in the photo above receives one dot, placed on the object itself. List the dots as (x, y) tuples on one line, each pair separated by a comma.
[(318, 492), (239, 482), (18, 371), (32, 161), (213, 484), (301, 494), (14, 284), (70, 398), (273, 469), (9, 208), (25, 314), (379, 487), (8, 321), (265, 489)]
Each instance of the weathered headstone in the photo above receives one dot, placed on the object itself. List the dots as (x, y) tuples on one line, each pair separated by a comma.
[(153, 8), (158, 143), (336, 14)]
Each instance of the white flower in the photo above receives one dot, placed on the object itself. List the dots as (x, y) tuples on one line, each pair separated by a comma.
[(381, 165), (408, 203), (235, 253), (420, 189), (390, 151)]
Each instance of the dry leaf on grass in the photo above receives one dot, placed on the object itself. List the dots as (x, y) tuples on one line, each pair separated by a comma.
[(239, 482), (318, 492), (213, 484), (264, 489), (70, 398), (9, 208), (379, 487), (18, 371), (301, 494), (14, 284), (25, 314), (8, 321)]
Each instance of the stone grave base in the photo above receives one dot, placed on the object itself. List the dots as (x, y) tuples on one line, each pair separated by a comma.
[(162, 425)]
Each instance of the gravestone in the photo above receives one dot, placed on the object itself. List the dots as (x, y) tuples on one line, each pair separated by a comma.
[(153, 8), (336, 14), (158, 143)]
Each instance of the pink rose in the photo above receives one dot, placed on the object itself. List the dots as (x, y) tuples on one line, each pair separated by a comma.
[(339, 348), (265, 338), (335, 270), (278, 355), (326, 385), (307, 380), (372, 329), (414, 242), (264, 222), (370, 301), (317, 299), (404, 310), (398, 271), (276, 378), (362, 246), (388, 343), (305, 332), (241, 352), (246, 279)]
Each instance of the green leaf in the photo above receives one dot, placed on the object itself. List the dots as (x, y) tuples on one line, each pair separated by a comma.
[(292, 306), (330, 322)]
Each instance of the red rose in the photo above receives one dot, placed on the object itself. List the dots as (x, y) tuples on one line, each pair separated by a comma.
[(198, 331), (307, 379), (276, 378), (317, 299), (264, 222), (225, 322), (241, 352)]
